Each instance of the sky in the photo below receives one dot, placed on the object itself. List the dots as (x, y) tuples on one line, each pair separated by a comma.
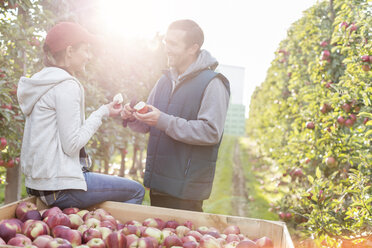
[(242, 33)]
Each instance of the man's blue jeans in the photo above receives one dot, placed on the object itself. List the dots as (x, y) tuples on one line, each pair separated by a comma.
[(101, 188)]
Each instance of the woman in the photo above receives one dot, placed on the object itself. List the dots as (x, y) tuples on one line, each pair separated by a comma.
[(53, 158)]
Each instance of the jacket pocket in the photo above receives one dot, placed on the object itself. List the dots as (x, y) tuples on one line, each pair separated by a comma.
[(200, 171)]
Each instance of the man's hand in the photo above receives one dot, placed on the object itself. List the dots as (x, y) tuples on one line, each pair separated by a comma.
[(127, 112), (114, 108), (150, 118)]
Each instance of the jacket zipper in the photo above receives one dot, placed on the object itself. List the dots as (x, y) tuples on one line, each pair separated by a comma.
[(187, 166)]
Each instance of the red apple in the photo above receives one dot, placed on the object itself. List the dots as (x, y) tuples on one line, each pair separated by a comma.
[(231, 229), (154, 222), (83, 212), (325, 55), (9, 228), (75, 220), (344, 25), (2, 242), (35, 228), (182, 231), (197, 235), (69, 211), (51, 211), (353, 27), (145, 242), (188, 238), (141, 107), (132, 240), (92, 222), (190, 244), (232, 237), (346, 107), (131, 229), (31, 215), (23, 207), (115, 240), (324, 43), (109, 218), (153, 232), (310, 125), (3, 143), (202, 229), (58, 219), (171, 224), (172, 240), (349, 123), (59, 243), (105, 231), (71, 235), (247, 244), (189, 224), (365, 58), (108, 224), (366, 119), (42, 241), (208, 241), (133, 222), (231, 244), (91, 233), (20, 240), (341, 120)]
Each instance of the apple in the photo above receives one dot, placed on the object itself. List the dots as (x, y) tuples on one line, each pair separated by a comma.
[(247, 243), (71, 235), (232, 237), (35, 228), (92, 222), (75, 221), (344, 25), (208, 241), (132, 240), (141, 107), (171, 224), (202, 229), (91, 233), (188, 238), (118, 98), (341, 120), (189, 224), (231, 229), (346, 107), (154, 222), (145, 242), (365, 58), (172, 240), (331, 161), (32, 215), (167, 232), (20, 240), (131, 229), (182, 231), (197, 235), (310, 125), (115, 240), (82, 246), (366, 119), (42, 241), (324, 43), (69, 211), (190, 244), (23, 207), (2, 242), (153, 232), (59, 243), (349, 123), (3, 143), (58, 219), (109, 218), (366, 67), (214, 234), (51, 211), (83, 212), (231, 244), (105, 231), (325, 54), (133, 222), (353, 27), (9, 228)]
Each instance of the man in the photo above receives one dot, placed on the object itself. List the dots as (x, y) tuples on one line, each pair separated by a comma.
[(189, 105)]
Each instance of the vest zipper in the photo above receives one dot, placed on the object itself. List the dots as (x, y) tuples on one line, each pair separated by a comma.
[(187, 166)]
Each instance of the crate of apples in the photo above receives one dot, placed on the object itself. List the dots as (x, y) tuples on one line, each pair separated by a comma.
[(114, 224)]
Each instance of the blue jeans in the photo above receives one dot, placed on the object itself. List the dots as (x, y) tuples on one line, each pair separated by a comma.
[(100, 188)]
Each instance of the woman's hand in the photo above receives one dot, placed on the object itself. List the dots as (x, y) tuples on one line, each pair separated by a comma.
[(127, 112), (114, 108)]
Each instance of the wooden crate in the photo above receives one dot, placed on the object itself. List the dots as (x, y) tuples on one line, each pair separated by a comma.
[(253, 228)]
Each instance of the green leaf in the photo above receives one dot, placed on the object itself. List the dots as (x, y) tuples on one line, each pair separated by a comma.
[(318, 173)]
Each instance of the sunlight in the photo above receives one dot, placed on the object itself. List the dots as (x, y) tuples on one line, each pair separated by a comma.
[(131, 18)]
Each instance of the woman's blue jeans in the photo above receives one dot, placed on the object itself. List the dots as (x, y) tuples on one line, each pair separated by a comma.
[(100, 188)]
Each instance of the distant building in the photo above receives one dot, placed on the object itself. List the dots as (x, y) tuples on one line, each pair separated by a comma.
[(235, 120)]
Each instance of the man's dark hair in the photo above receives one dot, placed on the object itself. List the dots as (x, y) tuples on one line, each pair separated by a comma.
[(194, 34)]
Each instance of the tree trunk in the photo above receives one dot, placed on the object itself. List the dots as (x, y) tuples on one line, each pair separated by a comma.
[(133, 170), (14, 184), (106, 167), (122, 166)]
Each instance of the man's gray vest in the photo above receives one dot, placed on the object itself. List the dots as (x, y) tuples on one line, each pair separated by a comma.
[(172, 167)]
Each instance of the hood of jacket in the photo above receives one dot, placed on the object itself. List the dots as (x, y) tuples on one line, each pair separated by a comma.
[(204, 61), (30, 90)]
